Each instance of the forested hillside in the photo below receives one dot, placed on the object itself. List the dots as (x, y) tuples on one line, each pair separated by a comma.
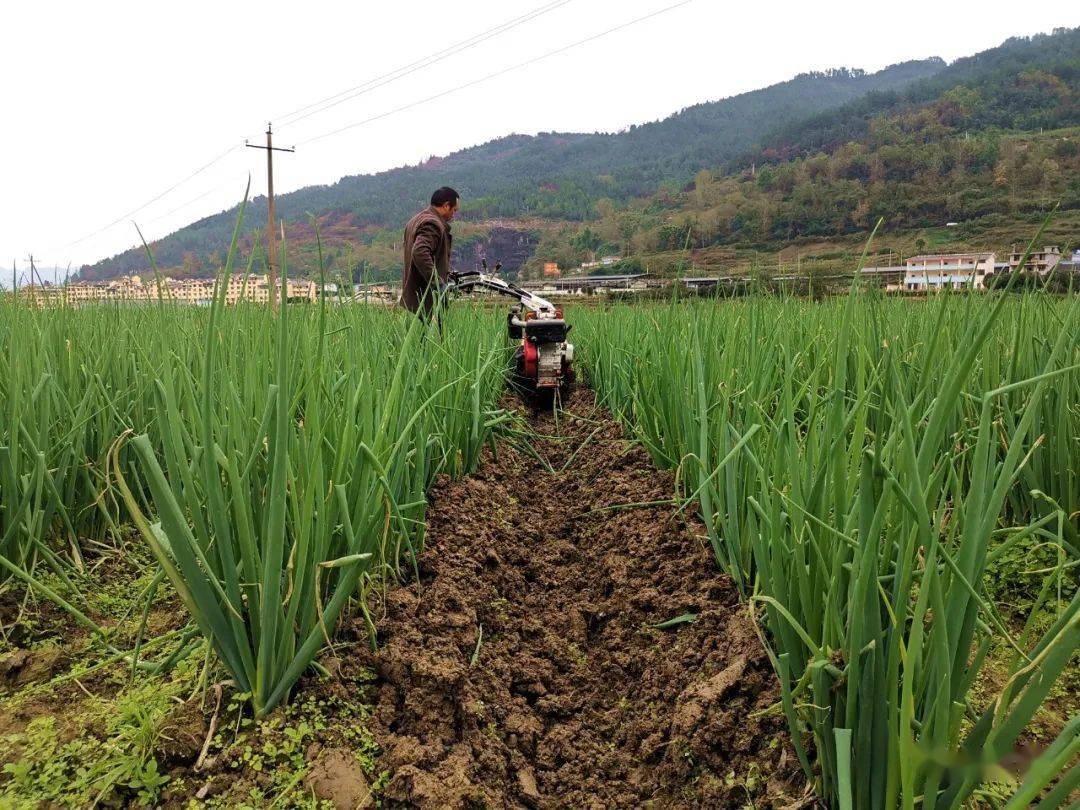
[(1018, 85), (556, 176), (915, 170), (999, 140), (990, 142)]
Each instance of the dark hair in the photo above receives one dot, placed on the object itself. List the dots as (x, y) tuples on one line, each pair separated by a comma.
[(443, 196)]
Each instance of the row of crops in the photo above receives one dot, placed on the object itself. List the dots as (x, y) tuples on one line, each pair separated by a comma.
[(277, 466), (859, 465)]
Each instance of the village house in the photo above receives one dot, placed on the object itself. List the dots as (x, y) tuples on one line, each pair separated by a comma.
[(1040, 261), (604, 261), (952, 270)]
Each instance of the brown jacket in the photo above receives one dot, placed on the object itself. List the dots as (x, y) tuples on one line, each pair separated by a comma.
[(427, 260)]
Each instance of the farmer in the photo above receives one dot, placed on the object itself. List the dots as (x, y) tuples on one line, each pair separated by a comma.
[(427, 253)]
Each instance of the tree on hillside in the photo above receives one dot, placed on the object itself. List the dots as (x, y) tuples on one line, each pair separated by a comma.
[(191, 265)]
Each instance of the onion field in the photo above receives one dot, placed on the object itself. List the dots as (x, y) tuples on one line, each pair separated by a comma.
[(860, 465), (889, 490), (273, 465)]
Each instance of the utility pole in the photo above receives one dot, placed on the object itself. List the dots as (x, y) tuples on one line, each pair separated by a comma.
[(33, 272), (271, 252)]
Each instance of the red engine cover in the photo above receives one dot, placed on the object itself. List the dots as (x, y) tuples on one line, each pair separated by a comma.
[(530, 356)]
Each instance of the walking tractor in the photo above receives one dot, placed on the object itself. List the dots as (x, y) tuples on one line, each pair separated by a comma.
[(543, 358)]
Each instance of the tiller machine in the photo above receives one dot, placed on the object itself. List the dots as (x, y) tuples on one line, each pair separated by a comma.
[(543, 357)]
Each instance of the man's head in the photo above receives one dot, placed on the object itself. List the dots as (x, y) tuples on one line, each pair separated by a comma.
[(445, 202)]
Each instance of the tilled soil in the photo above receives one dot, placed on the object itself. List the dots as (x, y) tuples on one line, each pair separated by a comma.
[(525, 669)]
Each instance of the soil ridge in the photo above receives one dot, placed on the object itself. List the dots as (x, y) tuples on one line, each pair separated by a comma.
[(526, 668)]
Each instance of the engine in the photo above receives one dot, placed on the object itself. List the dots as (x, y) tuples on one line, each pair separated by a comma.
[(542, 362)]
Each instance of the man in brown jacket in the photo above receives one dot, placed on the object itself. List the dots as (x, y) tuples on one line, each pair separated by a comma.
[(427, 253)]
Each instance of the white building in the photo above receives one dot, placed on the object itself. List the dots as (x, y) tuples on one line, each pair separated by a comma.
[(1040, 261), (953, 271)]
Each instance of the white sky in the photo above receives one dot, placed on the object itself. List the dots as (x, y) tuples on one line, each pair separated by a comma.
[(107, 104)]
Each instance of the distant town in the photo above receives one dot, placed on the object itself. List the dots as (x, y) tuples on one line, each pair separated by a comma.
[(916, 275)]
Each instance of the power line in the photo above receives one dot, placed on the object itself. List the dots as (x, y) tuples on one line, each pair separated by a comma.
[(338, 98), (379, 81), (497, 73), (149, 202), (190, 202), (393, 76)]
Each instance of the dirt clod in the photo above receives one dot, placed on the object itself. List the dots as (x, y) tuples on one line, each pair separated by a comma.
[(29, 666), (527, 786), (182, 733), (337, 778)]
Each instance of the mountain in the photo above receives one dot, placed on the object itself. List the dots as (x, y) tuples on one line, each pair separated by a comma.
[(990, 142), (550, 176), (1016, 82)]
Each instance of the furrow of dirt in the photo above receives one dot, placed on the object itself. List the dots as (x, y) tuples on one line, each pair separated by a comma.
[(525, 669)]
